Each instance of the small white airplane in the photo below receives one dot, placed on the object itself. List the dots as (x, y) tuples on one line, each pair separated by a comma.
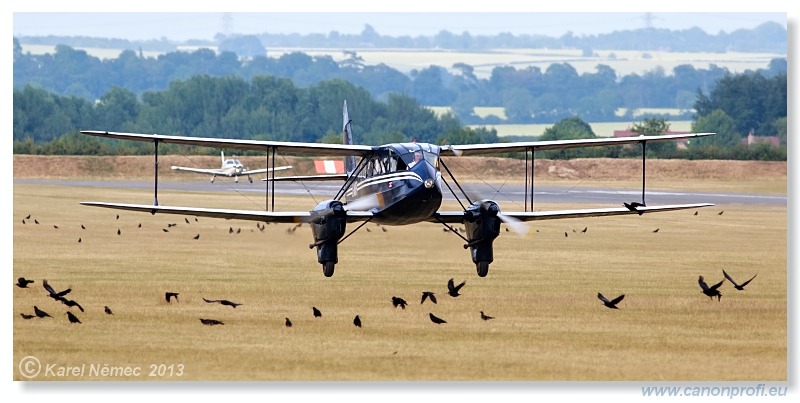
[(230, 168)]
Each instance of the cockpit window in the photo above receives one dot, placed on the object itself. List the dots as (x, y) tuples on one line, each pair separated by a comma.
[(410, 159)]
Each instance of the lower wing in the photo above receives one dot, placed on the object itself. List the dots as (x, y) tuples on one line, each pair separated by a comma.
[(331, 177), (455, 217), (289, 217)]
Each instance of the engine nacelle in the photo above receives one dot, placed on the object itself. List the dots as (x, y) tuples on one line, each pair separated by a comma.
[(328, 223), (483, 226)]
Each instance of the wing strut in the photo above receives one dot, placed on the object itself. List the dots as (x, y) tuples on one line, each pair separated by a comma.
[(644, 164), (273, 177), (457, 184), (266, 191), (155, 170)]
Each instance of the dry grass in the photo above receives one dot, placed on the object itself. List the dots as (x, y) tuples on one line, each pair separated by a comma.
[(550, 325)]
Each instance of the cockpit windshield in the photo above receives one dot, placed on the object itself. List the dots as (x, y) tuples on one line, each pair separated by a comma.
[(412, 158)]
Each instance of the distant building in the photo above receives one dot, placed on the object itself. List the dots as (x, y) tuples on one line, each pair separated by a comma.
[(681, 144), (752, 139)]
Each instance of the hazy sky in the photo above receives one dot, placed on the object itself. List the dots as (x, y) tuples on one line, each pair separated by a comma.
[(152, 24)]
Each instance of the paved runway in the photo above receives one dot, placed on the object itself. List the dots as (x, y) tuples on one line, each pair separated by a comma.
[(508, 193)]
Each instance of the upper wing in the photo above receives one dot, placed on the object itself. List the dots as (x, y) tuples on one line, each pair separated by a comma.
[(199, 170), (454, 217), (496, 148), (265, 170), (251, 215), (335, 150)]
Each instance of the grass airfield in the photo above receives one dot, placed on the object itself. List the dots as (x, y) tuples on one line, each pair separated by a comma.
[(542, 289)]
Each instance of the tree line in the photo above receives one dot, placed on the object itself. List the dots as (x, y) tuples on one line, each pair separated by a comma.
[(274, 108), (529, 95)]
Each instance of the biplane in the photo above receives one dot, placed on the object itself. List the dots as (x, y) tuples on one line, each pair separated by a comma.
[(231, 168), (396, 184)]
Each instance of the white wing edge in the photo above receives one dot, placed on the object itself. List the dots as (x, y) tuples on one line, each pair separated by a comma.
[(288, 217), (198, 170), (265, 170), (333, 177), (454, 217)]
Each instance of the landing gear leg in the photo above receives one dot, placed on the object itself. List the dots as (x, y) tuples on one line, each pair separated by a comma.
[(249, 178), (213, 177)]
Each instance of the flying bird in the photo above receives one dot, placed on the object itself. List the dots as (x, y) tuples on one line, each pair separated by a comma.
[(357, 321), (222, 302), (656, 230), (168, 295), (53, 294), (317, 313), (164, 229), (452, 289), (710, 291), (70, 303), (436, 320), (186, 219), (211, 322), (485, 316), (611, 304), (108, 310), (196, 236), (585, 229), (720, 213), (23, 222), (397, 301), (428, 294), (28, 217), (22, 282), (634, 206), (288, 323), (72, 318), (739, 287), (35, 221), (26, 316), (40, 313), (55, 226), (82, 227)]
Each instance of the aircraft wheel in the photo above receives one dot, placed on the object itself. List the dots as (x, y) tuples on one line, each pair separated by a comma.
[(327, 268), (483, 268)]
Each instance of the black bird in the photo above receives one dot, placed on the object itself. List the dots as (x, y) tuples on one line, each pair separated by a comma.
[(26, 316), (23, 222), (230, 230), (222, 302), (168, 295), (585, 229), (384, 229), (397, 301), (53, 294), (195, 219), (35, 221), (196, 236), (186, 219), (695, 213), (70, 303), (79, 240), (40, 313), (368, 230), (485, 316), (117, 216), (452, 289), (119, 232), (171, 225), (565, 234), (710, 291), (357, 321), (317, 313), (164, 229), (611, 304), (140, 225), (108, 310), (739, 287), (436, 320), (656, 230), (633, 206), (22, 282), (28, 217), (428, 294), (211, 322), (82, 227), (288, 323), (72, 318), (720, 213), (55, 226)]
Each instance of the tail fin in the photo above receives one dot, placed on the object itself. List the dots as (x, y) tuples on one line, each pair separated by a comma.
[(347, 139)]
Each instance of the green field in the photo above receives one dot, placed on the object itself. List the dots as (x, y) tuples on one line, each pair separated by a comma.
[(542, 289)]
